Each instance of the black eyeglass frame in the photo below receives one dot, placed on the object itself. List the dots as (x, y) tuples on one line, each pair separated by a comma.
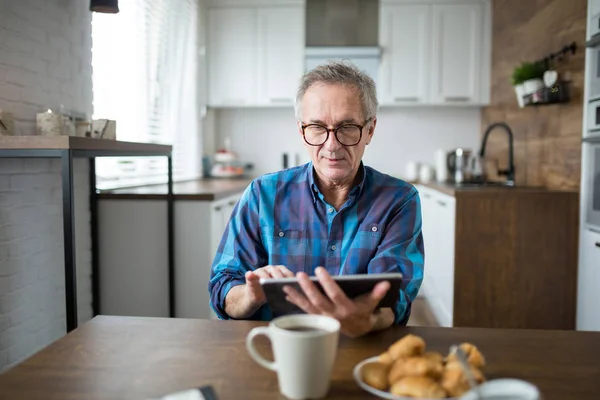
[(335, 131)]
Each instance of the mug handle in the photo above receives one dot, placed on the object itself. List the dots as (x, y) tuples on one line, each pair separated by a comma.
[(261, 330)]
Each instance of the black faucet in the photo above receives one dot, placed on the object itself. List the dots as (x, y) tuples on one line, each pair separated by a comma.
[(510, 173)]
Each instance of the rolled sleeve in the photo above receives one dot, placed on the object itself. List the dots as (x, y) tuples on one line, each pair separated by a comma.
[(240, 250), (401, 250)]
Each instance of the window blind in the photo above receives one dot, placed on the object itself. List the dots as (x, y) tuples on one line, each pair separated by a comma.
[(145, 77)]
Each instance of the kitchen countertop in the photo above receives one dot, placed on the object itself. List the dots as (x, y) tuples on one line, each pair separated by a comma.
[(453, 190), (205, 189)]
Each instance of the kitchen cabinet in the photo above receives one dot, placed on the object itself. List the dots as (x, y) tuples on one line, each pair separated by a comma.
[(438, 212), (133, 247), (500, 257), (592, 17), (232, 57), (588, 312), (457, 51), (255, 54), (435, 53), (281, 53), (405, 68)]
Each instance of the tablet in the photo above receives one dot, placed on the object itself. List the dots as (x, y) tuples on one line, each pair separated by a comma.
[(352, 285)]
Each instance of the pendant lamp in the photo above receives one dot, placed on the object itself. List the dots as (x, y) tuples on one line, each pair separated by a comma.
[(105, 6)]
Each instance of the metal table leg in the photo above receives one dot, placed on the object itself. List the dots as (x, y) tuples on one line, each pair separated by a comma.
[(94, 237), (171, 237), (69, 238)]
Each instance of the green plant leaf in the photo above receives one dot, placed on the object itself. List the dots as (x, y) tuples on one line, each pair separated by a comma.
[(526, 71)]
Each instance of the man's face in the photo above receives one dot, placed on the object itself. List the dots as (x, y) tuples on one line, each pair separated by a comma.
[(332, 105)]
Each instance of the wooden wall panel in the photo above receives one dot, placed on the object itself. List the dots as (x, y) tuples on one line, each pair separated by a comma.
[(547, 138)]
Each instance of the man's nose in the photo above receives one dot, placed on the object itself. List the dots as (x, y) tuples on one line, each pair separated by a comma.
[(332, 144)]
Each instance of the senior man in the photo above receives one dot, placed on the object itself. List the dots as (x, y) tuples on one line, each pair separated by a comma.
[(331, 216)]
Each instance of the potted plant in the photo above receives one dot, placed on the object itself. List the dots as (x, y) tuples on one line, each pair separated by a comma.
[(527, 79)]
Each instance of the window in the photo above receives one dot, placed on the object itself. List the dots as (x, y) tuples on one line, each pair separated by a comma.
[(145, 77)]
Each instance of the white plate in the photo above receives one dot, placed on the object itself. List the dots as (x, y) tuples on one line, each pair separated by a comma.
[(380, 393)]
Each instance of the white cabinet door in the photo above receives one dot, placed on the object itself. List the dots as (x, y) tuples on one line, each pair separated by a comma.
[(280, 53), (446, 214), (588, 291), (232, 65), (457, 53), (405, 36), (429, 240)]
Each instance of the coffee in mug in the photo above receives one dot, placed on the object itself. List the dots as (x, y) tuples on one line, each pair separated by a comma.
[(304, 349)]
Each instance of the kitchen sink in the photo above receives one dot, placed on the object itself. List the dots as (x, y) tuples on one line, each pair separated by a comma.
[(485, 184)]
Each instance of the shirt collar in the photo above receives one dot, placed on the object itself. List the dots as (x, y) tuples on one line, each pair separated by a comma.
[(355, 192)]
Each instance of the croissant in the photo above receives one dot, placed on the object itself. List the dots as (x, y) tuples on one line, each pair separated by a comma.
[(454, 380), (410, 345), (418, 386), (414, 366), (375, 375), (434, 356), (474, 356), (385, 358)]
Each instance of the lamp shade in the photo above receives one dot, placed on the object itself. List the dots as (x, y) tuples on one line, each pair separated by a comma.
[(105, 6)]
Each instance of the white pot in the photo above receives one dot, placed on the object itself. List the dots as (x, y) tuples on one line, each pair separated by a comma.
[(533, 85), (520, 92)]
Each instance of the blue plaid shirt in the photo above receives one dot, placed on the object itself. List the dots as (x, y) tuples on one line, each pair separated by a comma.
[(283, 219)]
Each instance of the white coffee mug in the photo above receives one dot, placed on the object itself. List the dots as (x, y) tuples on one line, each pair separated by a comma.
[(304, 349)]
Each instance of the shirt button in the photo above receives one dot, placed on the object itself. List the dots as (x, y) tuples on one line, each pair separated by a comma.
[(374, 229), (281, 234), (333, 247), (330, 210)]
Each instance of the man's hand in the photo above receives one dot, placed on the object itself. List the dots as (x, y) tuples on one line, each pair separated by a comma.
[(356, 316), (244, 300)]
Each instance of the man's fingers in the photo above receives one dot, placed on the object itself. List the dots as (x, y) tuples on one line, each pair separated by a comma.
[(253, 287), (313, 294), (273, 271), (332, 289), (262, 273), (294, 297), (377, 294), (286, 272)]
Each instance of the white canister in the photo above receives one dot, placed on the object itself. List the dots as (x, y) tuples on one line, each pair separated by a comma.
[(412, 171), (441, 165), (426, 173)]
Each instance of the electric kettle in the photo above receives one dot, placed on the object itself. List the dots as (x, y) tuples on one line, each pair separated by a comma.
[(458, 165)]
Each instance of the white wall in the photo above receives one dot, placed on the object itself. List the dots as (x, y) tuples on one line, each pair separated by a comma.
[(402, 135), (45, 61)]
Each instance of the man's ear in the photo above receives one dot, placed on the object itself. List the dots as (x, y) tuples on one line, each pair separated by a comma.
[(371, 130)]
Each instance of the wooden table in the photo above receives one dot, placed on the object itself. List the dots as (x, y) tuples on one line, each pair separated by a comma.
[(137, 358)]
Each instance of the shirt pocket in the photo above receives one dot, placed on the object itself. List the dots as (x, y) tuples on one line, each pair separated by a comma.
[(368, 236), (287, 245)]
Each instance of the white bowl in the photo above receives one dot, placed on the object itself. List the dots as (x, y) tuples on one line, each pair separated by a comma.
[(496, 389), (380, 393)]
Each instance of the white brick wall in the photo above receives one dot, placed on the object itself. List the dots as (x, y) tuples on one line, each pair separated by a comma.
[(45, 62)]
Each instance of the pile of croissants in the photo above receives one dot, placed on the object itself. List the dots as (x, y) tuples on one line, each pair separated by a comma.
[(406, 369)]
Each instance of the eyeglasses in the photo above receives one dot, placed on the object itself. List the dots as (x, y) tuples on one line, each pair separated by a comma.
[(346, 134)]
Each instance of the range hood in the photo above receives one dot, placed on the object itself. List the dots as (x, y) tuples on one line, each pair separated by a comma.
[(343, 30), (342, 23)]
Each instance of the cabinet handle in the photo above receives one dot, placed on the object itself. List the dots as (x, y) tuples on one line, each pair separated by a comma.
[(234, 101), (427, 196), (456, 98), (232, 203), (597, 244), (401, 99), (441, 203), (218, 208), (280, 100)]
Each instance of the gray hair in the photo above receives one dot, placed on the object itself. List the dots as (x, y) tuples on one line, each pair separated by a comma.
[(344, 73)]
